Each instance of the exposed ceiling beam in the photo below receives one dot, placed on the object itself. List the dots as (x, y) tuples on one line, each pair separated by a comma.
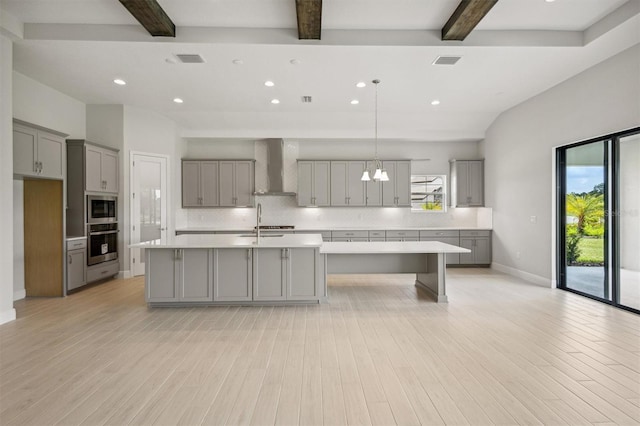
[(309, 14), (152, 17), (465, 18)]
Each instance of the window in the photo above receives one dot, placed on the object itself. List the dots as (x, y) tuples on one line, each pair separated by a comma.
[(428, 193)]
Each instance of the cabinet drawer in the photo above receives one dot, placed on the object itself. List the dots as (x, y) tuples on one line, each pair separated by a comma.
[(435, 234), (403, 234), (326, 235), (377, 234), (350, 239), (475, 233), (350, 234), (76, 244), (101, 271)]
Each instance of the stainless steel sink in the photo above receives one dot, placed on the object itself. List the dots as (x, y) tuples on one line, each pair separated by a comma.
[(262, 235)]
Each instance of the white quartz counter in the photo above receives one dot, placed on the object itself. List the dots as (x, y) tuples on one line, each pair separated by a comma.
[(338, 228), (234, 241), (390, 247)]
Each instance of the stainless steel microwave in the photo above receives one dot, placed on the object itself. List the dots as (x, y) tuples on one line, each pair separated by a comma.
[(102, 209)]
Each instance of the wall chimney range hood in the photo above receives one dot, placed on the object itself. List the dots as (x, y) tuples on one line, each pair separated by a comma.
[(275, 169)]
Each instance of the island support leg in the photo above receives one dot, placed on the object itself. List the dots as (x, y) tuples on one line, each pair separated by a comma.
[(433, 280)]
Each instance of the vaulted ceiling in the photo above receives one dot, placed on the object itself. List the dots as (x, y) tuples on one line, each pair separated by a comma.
[(519, 49)]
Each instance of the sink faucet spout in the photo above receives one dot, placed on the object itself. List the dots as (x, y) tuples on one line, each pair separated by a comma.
[(258, 221)]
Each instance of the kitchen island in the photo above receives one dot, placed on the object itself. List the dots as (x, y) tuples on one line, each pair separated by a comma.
[(190, 270), (424, 258)]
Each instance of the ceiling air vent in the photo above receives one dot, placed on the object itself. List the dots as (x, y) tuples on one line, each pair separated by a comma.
[(306, 99), (190, 59), (446, 60)]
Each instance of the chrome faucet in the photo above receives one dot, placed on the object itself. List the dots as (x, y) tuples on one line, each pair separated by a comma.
[(258, 221)]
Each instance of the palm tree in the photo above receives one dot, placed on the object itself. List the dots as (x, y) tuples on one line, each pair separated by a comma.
[(586, 208)]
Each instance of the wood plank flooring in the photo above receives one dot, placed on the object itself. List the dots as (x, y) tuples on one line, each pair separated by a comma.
[(380, 353)]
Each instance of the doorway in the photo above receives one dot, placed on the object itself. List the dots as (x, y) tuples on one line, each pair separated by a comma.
[(598, 222), (148, 204)]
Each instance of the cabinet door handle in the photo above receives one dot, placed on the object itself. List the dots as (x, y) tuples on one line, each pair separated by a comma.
[(248, 254), (35, 167), (70, 259), (286, 253)]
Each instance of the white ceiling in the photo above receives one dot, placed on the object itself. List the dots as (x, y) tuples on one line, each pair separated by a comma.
[(520, 49)]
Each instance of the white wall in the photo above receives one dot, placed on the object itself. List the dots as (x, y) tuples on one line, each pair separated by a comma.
[(39, 104), (518, 152), (7, 312), (105, 125)]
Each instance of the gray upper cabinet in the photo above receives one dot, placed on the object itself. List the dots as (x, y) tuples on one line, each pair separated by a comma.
[(200, 184), (233, 275), (467, 183), (236, 183), (217, 183), (37, 153), (373, 190), (101, 169), (314, 183), (346, 187), (397, 191)]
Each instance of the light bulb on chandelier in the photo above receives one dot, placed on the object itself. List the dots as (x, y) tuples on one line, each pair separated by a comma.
[(379, 174)]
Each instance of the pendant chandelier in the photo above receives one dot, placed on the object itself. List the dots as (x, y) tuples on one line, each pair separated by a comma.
[(379, 174)]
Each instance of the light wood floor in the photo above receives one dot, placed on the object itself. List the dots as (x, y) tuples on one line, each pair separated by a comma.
[(501, 352)]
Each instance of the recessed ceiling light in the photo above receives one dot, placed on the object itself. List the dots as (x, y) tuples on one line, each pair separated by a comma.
[(355, 102), (361, 84), (178, 100), (119, 82), (269, 83), (238, 61), (435, 102), (275, 101), (549, 1), (294, 61)]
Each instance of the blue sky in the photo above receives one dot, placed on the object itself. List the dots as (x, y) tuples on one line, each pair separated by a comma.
[(583, 178)]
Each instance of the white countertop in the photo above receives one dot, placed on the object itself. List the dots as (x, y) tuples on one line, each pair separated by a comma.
[(387, 247), (233, 241), (339, 228)]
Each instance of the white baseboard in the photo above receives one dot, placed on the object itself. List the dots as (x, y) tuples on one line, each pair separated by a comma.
[(19, 294), (123, 275), (7, 316), (532, 278)]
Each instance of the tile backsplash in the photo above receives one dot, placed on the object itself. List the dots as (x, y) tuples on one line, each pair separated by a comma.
[(283, 210)]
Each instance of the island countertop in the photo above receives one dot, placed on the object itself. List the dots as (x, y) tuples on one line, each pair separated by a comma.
[(390, 247), (233, 241)]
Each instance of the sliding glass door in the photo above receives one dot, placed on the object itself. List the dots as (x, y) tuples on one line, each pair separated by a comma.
[(628, 221), (599, 223)]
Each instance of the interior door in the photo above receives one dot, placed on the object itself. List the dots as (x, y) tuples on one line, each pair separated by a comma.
[(148, 204)]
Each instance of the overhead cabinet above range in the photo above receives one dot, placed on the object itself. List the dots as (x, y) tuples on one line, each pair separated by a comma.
[(218, 183)]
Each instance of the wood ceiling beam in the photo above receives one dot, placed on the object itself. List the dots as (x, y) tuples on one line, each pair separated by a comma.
[(465, 18), (309, 14), (152, 17)]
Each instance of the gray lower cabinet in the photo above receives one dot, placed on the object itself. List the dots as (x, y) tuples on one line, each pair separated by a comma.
[(403, 236), (180, 275), (76, 264), (285, 274), (448, 237), (479, 242), (233, 274)]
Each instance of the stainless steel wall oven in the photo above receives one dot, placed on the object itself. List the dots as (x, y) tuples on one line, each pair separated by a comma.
[(102, 242)]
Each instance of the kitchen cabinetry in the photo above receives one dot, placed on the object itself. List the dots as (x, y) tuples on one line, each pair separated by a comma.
[(446, 236), (236, 183), (397, 191), (76, 263), (37, 153), (200, 184), (479, 242), (467, 183), (347, 188), (233, 275), (314, 183), (101, 169), (349, 236), (180, 275), (284, 274), (402, 236), (373, 189)]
